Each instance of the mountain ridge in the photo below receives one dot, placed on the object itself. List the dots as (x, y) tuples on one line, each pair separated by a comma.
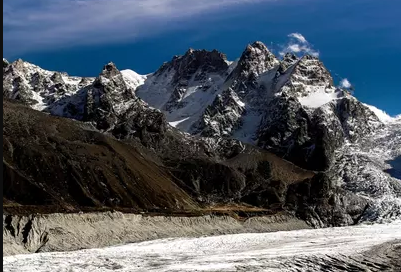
[(219, 110)]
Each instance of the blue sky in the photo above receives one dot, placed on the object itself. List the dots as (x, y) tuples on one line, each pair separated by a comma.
[(359, 40)]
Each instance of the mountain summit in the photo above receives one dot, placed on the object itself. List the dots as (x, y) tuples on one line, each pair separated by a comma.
[(200, 111)]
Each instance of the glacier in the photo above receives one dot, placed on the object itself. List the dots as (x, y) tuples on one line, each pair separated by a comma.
[(341, 249)]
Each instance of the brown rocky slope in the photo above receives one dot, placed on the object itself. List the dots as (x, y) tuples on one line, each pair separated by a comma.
[(60, 164), (54, 164)]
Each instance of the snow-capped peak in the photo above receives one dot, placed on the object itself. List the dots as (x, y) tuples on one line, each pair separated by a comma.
[(133, 79), (256, 59)]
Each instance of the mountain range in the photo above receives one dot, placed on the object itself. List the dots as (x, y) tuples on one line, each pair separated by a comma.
[(261, 131)]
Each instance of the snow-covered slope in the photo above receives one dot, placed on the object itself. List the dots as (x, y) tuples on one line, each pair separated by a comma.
[(382, 115), (44, 90), (185, 86), (133, 79), (107, 101)]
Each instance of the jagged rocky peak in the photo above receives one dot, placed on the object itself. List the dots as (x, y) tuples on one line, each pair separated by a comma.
[(288, 60), (19, 63), (357, 119), (213, 58), (198, 63), (309, 70), (194, 60), (57, 78), (106, 97), (110, 70), (111, 105), (5, 63), (24, 79), (197, 72), (307, 79), (256, 59), (111, 80), (15, 67), (16, 82), (23, 67)]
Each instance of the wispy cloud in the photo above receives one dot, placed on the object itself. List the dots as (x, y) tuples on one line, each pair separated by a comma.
[(29, 25), (344, 83), (298, 45), (299, 37)]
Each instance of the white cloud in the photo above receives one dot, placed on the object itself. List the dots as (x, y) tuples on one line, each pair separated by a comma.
[(296, 48), (299, 37), (345, 83), (43, 24), (298, 45)]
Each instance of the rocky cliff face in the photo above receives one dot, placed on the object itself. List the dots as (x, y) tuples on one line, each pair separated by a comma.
[(234, 111)]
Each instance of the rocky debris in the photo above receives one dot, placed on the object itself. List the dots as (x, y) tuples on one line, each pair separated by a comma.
[(73, 231)]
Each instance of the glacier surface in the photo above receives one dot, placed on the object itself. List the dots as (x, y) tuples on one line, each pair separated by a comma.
[(299, 250)]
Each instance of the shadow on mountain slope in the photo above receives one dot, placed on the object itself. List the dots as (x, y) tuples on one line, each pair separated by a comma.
[(66, 165), (57, 162), (395, 171)]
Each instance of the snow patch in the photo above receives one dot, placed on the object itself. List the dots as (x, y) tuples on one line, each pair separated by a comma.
[(318, 98), (382, 115), (250, 123), (175, 123), (40, 105), (156, 89), (133, 79), (73, 80), (232, 66)]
